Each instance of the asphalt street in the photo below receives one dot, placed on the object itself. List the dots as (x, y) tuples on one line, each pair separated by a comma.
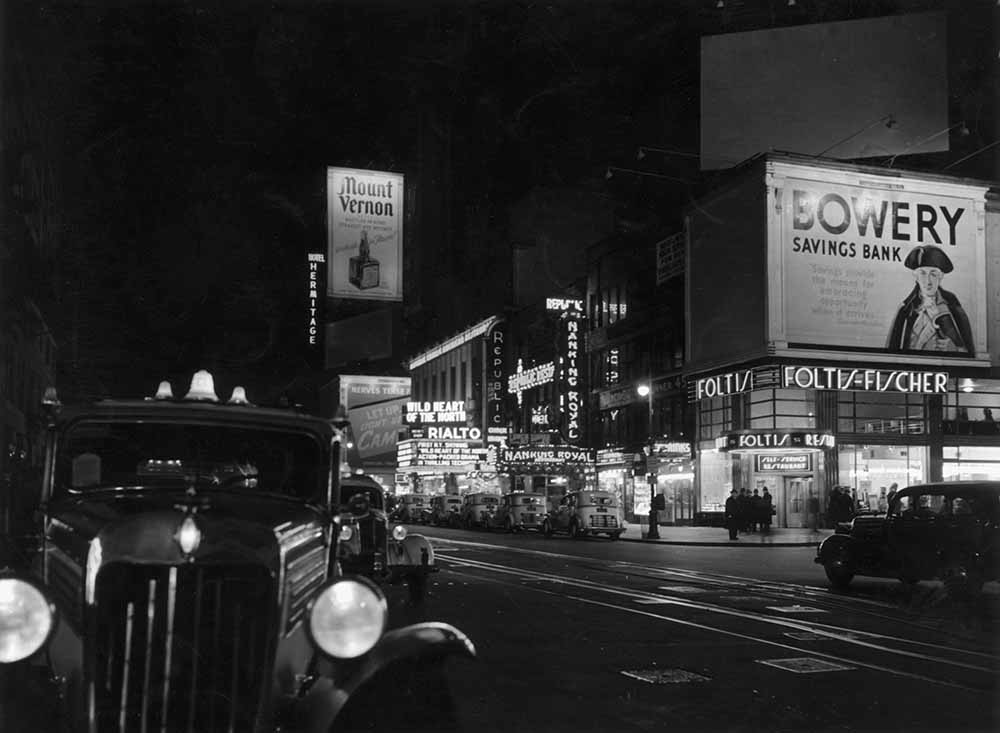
[(611, 636)]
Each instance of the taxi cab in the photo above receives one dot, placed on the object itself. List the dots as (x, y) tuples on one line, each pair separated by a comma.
[(411, 509), (518, 511), (585, 512), (187, 577), (478, 509), (445, 509)]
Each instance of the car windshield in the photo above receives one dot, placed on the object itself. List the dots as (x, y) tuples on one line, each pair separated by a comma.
[(372, 493), (96, 455)]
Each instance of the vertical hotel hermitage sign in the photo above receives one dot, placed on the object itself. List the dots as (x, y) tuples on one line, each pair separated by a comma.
[(364, 234), (867, 263)]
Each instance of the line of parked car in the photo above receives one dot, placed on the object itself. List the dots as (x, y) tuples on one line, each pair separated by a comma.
[(577, 514)]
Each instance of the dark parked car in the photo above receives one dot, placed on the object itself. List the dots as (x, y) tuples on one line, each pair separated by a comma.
[(371, 547), (946, 531), (186, 578)]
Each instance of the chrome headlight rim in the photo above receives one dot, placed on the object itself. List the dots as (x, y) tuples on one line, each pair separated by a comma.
[(50, 607), (399, 533), (381, 606)]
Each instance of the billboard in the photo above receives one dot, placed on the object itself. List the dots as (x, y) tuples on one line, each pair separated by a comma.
[(876, 264), (375, 408), (853, 89), (364, 234)]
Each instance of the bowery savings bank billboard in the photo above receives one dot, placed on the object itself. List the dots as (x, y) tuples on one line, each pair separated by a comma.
[(893, 265), (364, 234)]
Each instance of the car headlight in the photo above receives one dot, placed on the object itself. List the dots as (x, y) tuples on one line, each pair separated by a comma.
[(347, 617), (27, 619), (398, 532), (345, 533)]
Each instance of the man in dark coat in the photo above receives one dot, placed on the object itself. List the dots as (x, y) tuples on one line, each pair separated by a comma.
[(930, 318), (732, 514), (766, 507)]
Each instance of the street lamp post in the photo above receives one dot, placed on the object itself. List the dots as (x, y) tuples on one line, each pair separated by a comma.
[(646, 390)]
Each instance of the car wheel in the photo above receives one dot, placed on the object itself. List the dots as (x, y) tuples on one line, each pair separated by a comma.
[(574, 530), (509, 526), (547, 528), (839, 574), (614, 535)]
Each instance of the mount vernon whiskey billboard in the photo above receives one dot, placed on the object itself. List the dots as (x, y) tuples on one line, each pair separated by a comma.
[(365, 234)]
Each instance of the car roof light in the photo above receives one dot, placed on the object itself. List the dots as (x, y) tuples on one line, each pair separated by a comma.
[(164, 391), (239, 397), (202, 388)]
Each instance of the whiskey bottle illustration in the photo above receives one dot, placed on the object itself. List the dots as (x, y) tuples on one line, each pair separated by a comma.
[(363, 271)]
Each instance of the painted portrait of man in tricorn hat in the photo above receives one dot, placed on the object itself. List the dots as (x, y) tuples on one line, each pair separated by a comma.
[(930, 318)]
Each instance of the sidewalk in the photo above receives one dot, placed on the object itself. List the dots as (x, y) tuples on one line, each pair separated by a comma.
[(719, 536)]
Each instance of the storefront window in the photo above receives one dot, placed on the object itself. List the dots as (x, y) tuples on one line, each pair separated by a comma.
[(973, 412), (971, 463), (874, 412), (715, 474), (871, 470)]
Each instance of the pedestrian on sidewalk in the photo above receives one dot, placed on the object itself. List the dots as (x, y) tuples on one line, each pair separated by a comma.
[(766, 511), (743, 511), (732, 516), (756, 520)]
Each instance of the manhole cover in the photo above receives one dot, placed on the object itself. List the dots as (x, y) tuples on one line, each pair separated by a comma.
[(804, 665), (795, 609), (681, 589), (664, 676)]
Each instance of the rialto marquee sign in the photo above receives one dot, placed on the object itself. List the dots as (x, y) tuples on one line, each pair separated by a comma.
[(839, 379)]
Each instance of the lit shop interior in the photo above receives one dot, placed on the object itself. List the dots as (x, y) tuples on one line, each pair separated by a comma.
[(878, 439)]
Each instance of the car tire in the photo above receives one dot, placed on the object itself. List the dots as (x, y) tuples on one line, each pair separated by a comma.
[(508, 526), (547, 528), (839, 575), (574, 530)]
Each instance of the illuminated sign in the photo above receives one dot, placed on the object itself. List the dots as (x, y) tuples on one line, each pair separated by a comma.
[(436, 412), (414, 453), (568, 381), (365, 234), (774, 440), (375, 408), (722, 385), (314, 301), (561, 305), (524, 379), (783, 462), (868, 380), (540, 416), (495, 366), (435, 433), (677, 447), (534, 455)]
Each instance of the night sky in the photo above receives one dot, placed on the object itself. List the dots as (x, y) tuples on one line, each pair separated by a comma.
[(166, 161)]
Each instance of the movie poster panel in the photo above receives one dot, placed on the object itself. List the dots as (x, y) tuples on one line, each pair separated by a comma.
[(364, 234), (879, 269)]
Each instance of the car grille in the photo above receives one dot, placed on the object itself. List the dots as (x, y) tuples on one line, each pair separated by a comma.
[(182, 648), (372, 532), (603, 520), (529, 519)]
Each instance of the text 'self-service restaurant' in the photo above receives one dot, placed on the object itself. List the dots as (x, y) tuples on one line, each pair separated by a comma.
[(852, 339)]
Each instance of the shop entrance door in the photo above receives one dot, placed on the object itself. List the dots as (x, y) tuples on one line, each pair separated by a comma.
[(796, 499)]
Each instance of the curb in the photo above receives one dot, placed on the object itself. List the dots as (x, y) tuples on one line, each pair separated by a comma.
[(722, 543)]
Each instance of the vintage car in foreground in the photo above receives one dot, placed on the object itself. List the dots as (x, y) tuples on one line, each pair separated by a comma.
[(582, 513), (187, 578), (369, 547), (947, 531), (519, 510)]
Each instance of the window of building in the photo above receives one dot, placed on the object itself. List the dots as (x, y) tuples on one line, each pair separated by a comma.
[(782, 408), (971, 463), (871, 470), (973, 412), (715, 416), (881, 412)]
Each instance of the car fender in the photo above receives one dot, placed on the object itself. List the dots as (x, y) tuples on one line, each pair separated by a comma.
[(833, 546), (414, 550), (336, 685)]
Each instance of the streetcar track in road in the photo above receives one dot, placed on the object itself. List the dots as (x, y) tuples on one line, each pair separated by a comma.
[(833, 632), (745, 637), (776, 589)]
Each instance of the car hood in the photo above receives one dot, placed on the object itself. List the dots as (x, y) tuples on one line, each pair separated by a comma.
[(141, 526)]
